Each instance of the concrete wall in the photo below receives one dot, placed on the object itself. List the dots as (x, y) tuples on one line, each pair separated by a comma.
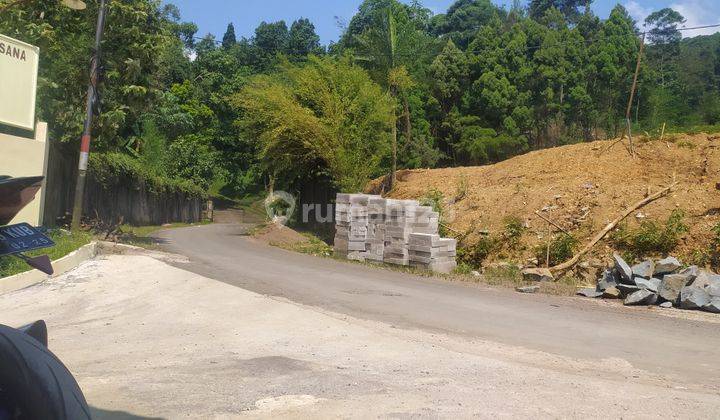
[(20, 156)]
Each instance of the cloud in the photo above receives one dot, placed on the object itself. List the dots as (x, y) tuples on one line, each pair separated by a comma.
[(696, 13), (637, 11)]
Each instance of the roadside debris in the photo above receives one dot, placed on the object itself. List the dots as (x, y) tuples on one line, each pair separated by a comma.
[(528, 289), (662, 282)]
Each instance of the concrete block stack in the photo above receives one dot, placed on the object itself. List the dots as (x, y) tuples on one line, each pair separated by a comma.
[(399, 221), (351, 225), (376, 229), (375, 241), (431, 252)]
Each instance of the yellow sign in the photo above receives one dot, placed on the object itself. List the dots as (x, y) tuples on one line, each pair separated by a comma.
[(18, 82)]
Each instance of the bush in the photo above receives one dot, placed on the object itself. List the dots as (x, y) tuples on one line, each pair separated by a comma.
[(714, 250), (475, 255), (110, 169), (514, 230), (562, 248), (650, 237)]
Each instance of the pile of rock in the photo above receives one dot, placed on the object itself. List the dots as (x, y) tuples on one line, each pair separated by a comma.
[(402, 232), (664, 282)]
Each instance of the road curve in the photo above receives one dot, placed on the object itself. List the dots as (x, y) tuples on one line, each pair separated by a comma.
[(678, 349)]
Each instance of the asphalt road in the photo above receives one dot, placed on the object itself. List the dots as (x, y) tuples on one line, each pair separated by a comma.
[(679, 350)]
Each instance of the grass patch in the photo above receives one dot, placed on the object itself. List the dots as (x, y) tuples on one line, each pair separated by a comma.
[(650, 238), (65, 243), (562, 248)]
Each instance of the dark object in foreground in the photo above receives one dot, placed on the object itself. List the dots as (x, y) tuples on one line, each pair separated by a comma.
[(16, 193), (34, 384)]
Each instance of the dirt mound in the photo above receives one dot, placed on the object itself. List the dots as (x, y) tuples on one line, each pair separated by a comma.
[(581, 188), (276, 234)]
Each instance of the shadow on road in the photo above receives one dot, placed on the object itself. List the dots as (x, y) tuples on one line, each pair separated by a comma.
[(100, 414)]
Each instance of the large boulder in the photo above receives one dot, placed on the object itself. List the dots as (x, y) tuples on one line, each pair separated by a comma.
[(713, 306), (671, 286), (645, 269), (708, 281), (693, 271), (626, 275), (692, 297), (649, 284), (666, 266), (641, 297), (537, 274)]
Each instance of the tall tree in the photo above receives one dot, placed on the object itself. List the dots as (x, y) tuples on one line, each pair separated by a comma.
[(464, 18), (229, 38), (665, 36), (569, 8), (302, 39)]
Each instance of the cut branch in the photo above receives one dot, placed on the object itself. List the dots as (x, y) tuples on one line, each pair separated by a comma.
[(571, 262)]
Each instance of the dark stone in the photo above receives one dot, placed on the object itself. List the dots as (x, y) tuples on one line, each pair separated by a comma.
[(641, 297), (626, 289), (692, 297), (671, 286), (713, 306), (610, 278), (645, 269), (591, 293), (666, 266), (624, 269), (649, 284)]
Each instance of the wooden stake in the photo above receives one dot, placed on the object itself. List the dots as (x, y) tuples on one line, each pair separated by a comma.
[(662, 132), (632, 94), (551, 222), (571, 262)]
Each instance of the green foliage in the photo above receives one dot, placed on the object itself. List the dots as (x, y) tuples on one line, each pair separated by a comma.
[(474, 85), (514, 229), (562, 248), (114, 168), (475, 255), (325, 113), (650, 237), (714, 248)]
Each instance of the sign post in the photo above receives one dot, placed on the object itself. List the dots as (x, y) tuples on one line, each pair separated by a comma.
[(18, 82)]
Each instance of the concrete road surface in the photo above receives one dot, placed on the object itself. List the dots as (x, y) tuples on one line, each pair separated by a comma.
[(147, 340), (684, 351)]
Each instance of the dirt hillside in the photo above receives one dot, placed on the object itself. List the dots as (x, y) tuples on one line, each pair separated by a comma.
[(580, 187)]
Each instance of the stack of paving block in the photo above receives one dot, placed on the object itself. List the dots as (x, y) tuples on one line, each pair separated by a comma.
[(351, 226), (431, 252), (399, 222), (402, 232), (375, 241)]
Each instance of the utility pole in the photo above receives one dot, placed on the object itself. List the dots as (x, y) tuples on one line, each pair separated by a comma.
[(89, 105), (632, 95)]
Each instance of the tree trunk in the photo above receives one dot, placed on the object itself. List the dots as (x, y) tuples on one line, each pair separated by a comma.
[(408, 127), (394, 150)]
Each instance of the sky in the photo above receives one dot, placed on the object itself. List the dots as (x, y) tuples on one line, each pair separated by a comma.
[(213, 16)]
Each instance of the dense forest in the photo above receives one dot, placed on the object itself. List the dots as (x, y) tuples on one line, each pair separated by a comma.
[(401, 88)]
